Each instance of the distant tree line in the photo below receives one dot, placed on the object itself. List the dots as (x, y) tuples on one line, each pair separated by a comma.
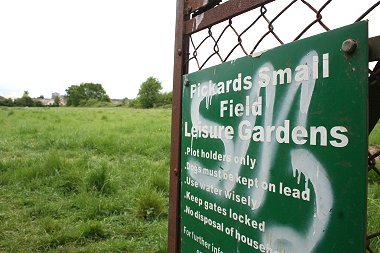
[(94, 95), (24, 101)]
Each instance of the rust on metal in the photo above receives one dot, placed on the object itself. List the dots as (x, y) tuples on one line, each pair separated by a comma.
[(180, 49), (374, 48), (221, 13)]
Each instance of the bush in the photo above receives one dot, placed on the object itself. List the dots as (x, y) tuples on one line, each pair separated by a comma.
[(94, 103), (134, 103), (164, 99)]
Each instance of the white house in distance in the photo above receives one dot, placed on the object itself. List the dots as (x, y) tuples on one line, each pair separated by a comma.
[(50, 101)]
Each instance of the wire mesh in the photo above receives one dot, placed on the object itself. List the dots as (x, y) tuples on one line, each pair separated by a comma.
[(274, 24), (280, 22)]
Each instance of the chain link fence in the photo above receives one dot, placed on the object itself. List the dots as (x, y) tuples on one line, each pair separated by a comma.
[(275, 23)]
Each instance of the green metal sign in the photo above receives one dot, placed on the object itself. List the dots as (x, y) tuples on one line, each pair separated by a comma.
[(274, 149)]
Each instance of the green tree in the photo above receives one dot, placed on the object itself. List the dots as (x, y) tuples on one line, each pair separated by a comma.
[(6, 102), (25, 100), (164, 98), (167, 98), (57, 101), (37, 103), (149, 92), (74, 94), (79, 95)]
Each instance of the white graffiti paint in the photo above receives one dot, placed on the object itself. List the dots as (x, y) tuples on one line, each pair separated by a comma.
[(196, 119), (198, 20), (286, 239), (304, 163)]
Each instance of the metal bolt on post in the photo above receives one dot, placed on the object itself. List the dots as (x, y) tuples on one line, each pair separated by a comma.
[(349, 46)]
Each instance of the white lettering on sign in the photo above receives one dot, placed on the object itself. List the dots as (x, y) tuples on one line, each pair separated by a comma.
[(267, 76), (257, 122)]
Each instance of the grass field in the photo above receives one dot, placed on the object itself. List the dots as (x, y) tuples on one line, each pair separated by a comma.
[(93, 180), (374, 194), (84, 180)]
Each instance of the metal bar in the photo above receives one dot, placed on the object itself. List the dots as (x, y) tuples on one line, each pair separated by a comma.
[(374, 48), (181, 48), (221, 13)]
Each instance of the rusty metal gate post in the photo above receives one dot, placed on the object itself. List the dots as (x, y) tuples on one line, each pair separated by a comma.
[(180, 54)]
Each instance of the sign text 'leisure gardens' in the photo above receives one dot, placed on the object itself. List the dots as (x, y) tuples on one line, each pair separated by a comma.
[(253, 107), (274, 150)]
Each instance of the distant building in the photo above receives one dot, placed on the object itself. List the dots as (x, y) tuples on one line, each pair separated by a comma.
[(50, 101), (116, 101), (46, 101), (62, 100)]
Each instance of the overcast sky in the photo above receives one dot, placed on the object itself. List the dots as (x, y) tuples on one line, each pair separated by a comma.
[(48, 45)]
